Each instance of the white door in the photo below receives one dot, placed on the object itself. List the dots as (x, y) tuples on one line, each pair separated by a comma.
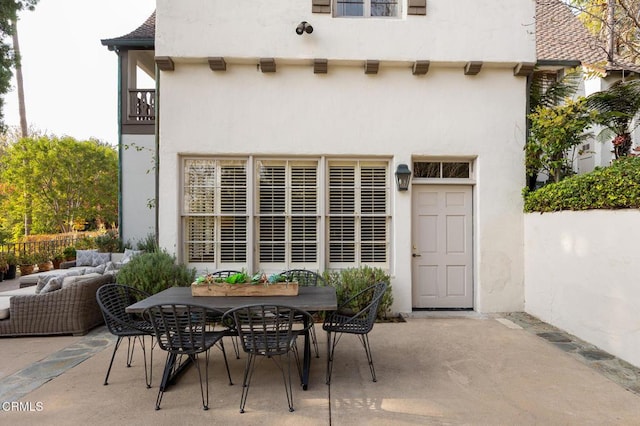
[(442, 232)]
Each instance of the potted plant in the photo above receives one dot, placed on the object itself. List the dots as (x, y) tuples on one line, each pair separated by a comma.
[(69, 253), (12, 264), (43, 260), (4, 265), (57, 258), (26, 261)]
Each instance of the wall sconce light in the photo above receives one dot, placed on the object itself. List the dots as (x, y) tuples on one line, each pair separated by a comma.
[(304, 27), (403, 176)]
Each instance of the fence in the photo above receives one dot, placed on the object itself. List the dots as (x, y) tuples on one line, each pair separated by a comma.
[(48, 246)]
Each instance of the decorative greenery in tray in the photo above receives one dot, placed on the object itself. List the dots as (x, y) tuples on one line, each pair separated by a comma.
[(240, 278)]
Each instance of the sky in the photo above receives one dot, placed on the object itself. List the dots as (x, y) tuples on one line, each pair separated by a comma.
[(70, 78)]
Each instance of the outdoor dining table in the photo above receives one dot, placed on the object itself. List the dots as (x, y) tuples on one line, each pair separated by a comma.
[(311, 299)]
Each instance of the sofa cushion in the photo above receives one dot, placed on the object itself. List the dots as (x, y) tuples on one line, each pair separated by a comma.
[(5, 303), (25, 291), (85, 257), (100, 259)]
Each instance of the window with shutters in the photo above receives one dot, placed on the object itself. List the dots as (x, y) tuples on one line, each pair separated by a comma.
[(287, 214), (214, 211), (358, 214), (367, 8)]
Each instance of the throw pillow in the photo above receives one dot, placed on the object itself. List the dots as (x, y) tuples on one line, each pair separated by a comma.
[(128, 254), (84, 257), (100, 258), (54, 284), (43, 281), (95, 270)]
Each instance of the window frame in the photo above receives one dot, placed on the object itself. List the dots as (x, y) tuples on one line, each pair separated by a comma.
[(366, 10), (251, 214)]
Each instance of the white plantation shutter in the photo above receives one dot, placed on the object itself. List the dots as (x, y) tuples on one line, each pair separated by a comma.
[(304, 213), (358, 208), (287, 198), (215, 211)]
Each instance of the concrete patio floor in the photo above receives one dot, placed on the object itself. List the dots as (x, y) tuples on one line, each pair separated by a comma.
[(435, 369)]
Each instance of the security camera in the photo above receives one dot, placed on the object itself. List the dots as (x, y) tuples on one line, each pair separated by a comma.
[(304, 27)]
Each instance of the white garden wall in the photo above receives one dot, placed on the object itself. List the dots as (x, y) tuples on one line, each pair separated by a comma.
[(581, 275)]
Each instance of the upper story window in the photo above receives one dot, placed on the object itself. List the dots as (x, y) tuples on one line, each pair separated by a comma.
[(367, 8)]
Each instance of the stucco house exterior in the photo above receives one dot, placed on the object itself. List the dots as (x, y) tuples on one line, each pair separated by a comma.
[(280, 150)]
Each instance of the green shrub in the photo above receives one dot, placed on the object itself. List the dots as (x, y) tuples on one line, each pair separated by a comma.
[(109, 242), (613, 187), (154, 272), (148, 244), (348, 282)]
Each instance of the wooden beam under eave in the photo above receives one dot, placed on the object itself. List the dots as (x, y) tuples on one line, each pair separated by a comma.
[(524, 69), (371, 66), (164, 63), (320, 66), (472, 67), (420, 67), (217, 64), (267, 65)]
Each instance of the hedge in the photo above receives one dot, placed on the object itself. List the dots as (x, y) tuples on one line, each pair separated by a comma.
[(613, 187)]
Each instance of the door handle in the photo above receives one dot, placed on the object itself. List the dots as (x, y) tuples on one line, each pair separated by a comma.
[(416, 255)]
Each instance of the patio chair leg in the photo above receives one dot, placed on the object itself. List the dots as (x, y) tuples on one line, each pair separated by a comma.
[(226, 364), (131, 347), (287, 381), (113, 355), (246, 381), (331, 346), (194, 358), (364, 338), (166, 372), (236, 346)]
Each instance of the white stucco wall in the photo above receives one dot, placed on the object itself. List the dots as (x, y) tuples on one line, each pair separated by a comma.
[(581, 274), (138, 187), (452, 31), (393, 114)]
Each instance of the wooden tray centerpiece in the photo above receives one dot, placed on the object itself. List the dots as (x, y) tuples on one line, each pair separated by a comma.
[(241, 284)]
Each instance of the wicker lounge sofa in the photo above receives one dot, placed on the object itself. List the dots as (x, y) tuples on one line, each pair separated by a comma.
[(72, 309)]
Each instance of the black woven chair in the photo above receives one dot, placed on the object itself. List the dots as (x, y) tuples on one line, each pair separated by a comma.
[(306, 278), (268, 331), (113, 299), (355, 316), (225, 273), (187, 330)]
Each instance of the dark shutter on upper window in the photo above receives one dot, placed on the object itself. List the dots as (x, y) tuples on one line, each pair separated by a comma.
[(321, 6), (417, 7)]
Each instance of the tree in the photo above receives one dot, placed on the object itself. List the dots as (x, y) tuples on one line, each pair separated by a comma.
[(10, 57), (616, 24), (68, 181), (616, 108), (555, 131), (545, 92)]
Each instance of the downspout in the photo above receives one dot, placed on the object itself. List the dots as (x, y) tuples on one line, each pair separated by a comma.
[(157, 155), (120, 223)]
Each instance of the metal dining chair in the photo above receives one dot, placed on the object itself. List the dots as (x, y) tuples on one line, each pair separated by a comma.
[(356, 316), (306, 278), (269, 331), (113, 299), (187, 330)]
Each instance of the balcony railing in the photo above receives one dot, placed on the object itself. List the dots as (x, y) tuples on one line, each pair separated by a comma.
[(142, 106)]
